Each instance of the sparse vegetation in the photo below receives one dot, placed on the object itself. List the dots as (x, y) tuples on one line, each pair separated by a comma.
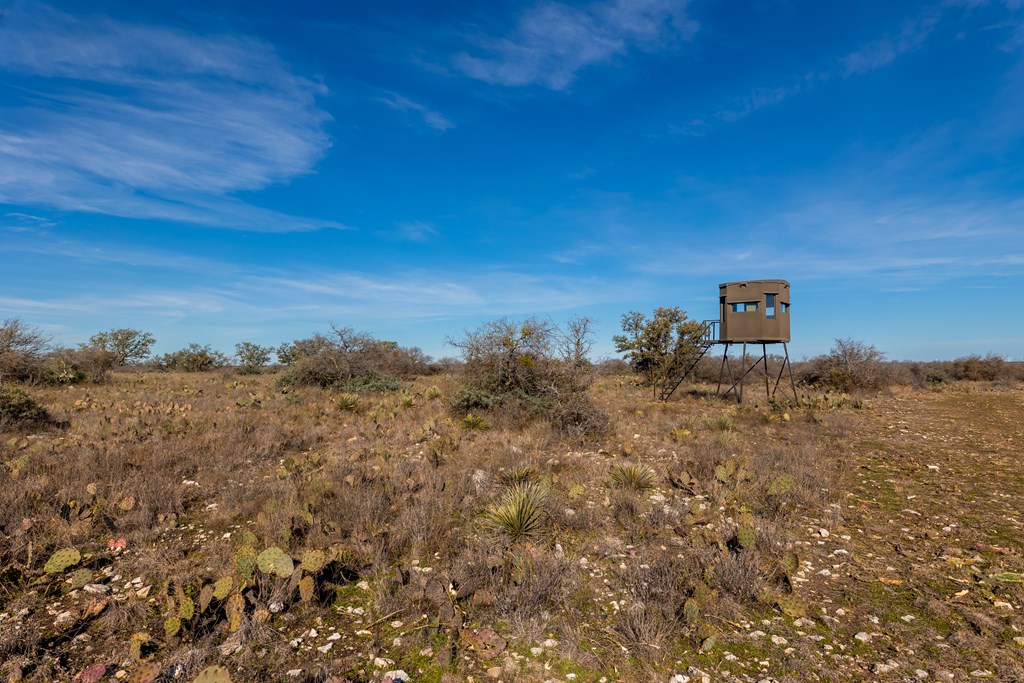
[(661, 347), (449, 537), (123, 345), (252, 358), (192, 358)]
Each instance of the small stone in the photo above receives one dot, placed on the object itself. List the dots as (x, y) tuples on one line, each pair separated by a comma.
[(363, 586), (120, 673), (886, 667), (921, 673), (550, 642), (779, 640), (96, 588), (494, 672), (823, 533), (981, 673), (863, 636), (679, 678), (294, 673), (325, 648)]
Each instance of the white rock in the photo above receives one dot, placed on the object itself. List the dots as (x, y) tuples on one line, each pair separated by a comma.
[(779, 640), (294, 672), (325, 648), (863, 636)]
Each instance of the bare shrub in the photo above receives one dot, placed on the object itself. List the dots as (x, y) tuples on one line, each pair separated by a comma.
[(531, 368), (345, 357), (22, 347), (850, 366)]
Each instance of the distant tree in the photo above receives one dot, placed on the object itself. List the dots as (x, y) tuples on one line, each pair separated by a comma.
[(658, 347), (21, 350), (126, 345), (252, 357), (192, 358)]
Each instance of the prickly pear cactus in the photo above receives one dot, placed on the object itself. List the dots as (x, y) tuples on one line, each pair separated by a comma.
[(171, 626), (245, 561), (313, 561), (235, 609), (136, 643), (80, 578), (691, 611), (275, 561), (222, 588), (61, 560), (246, 537), (307, 588), (186, 608), (205, 597), (146, 673), (213, 674), (747, 537), (93, 674), (781, 485), (790, 561), (790, 606)]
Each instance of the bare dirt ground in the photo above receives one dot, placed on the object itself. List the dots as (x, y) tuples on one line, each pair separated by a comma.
[(917, 577), (885, 538)]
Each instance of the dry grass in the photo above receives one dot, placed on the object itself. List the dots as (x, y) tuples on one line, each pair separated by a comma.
[(403, 499)]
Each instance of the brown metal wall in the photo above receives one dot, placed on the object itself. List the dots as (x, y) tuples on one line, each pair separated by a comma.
[(754, 326)]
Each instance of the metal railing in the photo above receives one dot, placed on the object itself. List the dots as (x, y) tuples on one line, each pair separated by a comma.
[(709, 331)]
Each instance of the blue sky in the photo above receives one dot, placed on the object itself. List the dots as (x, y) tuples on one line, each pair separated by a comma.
[(224, 171)]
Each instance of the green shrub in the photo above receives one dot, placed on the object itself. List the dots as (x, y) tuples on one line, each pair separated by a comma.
[(467, 400), (373, 383), (16, 406), (192, 358)]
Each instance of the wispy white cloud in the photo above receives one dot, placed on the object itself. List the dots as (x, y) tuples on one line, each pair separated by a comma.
[(871, 56), (415, 231), (552, 42), (151, 122), (880, 53), (434, 119)]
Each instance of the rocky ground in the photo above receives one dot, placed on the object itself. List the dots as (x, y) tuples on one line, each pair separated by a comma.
[(904, 524)]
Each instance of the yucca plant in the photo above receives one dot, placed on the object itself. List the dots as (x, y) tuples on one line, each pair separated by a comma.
[(474, 422), (521, 511), (433, 393), (722, 424), (408, 401), (347, 402), (517, 475), (636, 477)]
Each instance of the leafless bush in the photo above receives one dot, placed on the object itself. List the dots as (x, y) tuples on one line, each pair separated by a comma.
[(531, 367), (344, 355), (22, 347), (850, 366)]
